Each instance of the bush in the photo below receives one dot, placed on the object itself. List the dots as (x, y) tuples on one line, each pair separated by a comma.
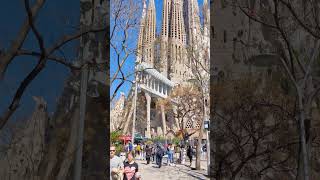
[(119, 148), (158, 139), (114, 137), (176, 141)]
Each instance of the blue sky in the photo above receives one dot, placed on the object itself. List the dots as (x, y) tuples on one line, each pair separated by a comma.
[(129, 66), (56, 18)]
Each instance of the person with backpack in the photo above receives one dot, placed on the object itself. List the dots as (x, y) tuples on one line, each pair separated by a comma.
[(159, 155)]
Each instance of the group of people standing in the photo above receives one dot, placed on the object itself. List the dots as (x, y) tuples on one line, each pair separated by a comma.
[(176, 154), (123, 170), (138, 150)]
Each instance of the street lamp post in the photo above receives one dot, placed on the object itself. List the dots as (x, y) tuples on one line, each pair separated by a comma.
[(206, 126), (83, 93)]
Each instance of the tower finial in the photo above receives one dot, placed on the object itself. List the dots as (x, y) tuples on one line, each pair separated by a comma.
[(144, 9), (141, 32)]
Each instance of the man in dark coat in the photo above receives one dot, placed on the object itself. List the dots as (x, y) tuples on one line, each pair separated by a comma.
[(190, 154), (159, 155), (148, 154)]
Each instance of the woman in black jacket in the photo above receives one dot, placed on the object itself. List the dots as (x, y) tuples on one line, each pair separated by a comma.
[(189, 154)]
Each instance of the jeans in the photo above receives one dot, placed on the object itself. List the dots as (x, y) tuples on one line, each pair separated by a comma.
[(148, 159), (170, 157), (158, 160)]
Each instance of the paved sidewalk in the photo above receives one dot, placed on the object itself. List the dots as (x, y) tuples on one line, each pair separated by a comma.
[(151, 171)]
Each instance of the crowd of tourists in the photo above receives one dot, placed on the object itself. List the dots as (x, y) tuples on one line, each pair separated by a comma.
[(124, 167)]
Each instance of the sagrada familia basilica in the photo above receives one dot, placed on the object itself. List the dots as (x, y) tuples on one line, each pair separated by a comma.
[(164, 60)]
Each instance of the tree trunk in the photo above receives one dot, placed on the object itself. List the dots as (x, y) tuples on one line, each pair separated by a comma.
[(304, 156), (198, 155), (163, 121)]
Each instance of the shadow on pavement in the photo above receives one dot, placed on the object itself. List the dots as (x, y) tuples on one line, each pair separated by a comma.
[(196, 175), (193, 173)]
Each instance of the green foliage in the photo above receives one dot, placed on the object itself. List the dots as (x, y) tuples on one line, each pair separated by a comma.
[(114, 137), (176, 140), (119, 147), (158, 139)]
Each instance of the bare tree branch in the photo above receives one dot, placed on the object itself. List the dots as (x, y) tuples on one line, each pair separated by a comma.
[(7, 57)]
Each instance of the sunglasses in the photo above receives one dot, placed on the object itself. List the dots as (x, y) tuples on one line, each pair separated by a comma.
[(112, 150)]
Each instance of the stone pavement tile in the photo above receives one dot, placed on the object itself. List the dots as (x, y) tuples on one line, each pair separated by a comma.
[(151, 171)]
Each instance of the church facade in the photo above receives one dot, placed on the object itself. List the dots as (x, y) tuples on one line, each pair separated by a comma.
[(181, 33), (171, 52)]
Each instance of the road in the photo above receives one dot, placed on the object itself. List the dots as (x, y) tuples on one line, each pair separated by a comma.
[(151, 171)]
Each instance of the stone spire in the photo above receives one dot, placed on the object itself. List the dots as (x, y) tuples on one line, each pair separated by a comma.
[(192, 21), (165, 18), (141, 33), (176, 30), (164, 37), (206, 32), (150, 34), (177, 42), (206, 14)]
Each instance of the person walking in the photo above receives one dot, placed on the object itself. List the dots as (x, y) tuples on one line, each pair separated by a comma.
[(159, 155), (142, 151), (177, 153), (138, 151), (170, 155), (148, 153), (116, 165), (183, 154), (153, 152), (204, 151), (130, 147), (131, 169), (190, 154)]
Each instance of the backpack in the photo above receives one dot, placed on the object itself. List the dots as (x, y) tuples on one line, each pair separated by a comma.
[(160, 152)]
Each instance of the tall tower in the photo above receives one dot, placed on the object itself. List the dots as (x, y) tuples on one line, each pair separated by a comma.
[(206, 32), (192, 21), (140, 46), (193, 32), (150, 34), (181, 34), (164, 37), (177, 43)]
